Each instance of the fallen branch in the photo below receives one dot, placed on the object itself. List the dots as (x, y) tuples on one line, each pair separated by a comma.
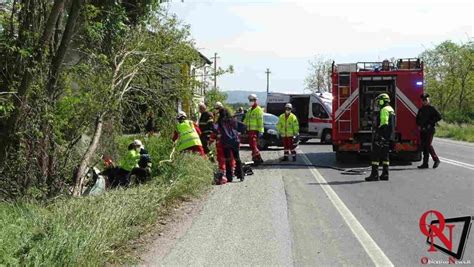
[(8, 93)]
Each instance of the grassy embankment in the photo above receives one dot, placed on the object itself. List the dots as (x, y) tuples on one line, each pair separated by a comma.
[(94, 230), (462, 132)]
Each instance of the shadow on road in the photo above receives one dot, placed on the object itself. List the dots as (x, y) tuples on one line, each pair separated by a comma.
[(327, 160), (339, 182), (315, 143), (273, 148)]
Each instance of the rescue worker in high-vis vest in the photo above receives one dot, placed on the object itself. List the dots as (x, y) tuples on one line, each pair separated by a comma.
[(254, 122), (206, 125), (382, 137), (127, 164), (186, 135), (288, 128)]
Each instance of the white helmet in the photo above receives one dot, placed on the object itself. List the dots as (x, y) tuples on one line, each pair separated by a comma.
[(181, 115), (137, 143), (252, 97), (289, 105), (218, 105)]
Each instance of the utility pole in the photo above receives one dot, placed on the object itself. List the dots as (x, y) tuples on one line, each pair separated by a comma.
[(268, 79), (215, 70)]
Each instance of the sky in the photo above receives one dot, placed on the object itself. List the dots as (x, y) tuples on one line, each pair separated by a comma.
[(285, 35)]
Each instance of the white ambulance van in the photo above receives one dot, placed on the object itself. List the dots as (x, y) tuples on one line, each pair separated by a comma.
[(312, 110)]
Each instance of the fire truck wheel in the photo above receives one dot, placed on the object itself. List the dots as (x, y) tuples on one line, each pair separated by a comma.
[(326, 136)]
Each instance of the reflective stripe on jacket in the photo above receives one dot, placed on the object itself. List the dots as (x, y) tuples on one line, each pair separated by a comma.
[(288, 126), (188, 137), (130, 160), (254, 119)]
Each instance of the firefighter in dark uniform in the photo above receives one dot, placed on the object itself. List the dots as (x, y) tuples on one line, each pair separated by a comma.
[(426, 119), (382, 137), (206, 124)]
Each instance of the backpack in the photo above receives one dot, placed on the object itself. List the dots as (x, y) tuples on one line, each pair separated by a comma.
[(145, 159), (229, 133)]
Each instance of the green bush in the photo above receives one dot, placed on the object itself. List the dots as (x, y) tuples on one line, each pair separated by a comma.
[(95, 230), (463, 132), (458, 117)]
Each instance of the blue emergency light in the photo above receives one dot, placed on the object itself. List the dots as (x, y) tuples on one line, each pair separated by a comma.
[(419, 83)]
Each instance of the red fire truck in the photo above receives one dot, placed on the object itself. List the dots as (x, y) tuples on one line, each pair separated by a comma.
[(356, 85)]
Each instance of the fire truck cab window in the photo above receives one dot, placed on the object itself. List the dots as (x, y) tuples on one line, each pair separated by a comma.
[(319, 112)]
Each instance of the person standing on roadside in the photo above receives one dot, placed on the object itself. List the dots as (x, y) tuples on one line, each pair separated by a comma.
[(254, 122), (228, 134), (221, 160), (383, 135), (288, 128), (426, 119), (206, 124)]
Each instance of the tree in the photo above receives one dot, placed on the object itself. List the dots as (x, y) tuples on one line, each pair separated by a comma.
[(34, 42), (214, 95), (91, 65), (449, 76), (319, 77), (134, 70)]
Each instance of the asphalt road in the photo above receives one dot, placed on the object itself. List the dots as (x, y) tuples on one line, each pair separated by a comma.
[(293, 215)]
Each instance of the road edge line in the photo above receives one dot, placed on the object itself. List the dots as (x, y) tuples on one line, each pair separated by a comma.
[(375, 253)]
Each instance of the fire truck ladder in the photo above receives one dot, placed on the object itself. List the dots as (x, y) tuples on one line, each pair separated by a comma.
[(344, 98)]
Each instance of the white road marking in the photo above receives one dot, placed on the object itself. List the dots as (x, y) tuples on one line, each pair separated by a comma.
[(457, 163), (373, 250)]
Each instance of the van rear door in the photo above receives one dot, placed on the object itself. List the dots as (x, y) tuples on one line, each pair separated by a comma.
[(319, 117), (301, 110)]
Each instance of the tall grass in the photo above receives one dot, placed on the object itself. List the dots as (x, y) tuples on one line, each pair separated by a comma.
[(462, 132), (95, 230)]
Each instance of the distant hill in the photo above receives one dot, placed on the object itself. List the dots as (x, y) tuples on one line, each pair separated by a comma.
[(238, 96)]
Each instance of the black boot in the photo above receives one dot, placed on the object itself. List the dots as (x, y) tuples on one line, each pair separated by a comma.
[(424, 165), (384, 175), (436, 163), (285, 158), (294, 156), (239, 172), (374, 174), (255, 160)]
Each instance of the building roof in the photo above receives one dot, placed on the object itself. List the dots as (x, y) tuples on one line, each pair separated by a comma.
[(208, 61)]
